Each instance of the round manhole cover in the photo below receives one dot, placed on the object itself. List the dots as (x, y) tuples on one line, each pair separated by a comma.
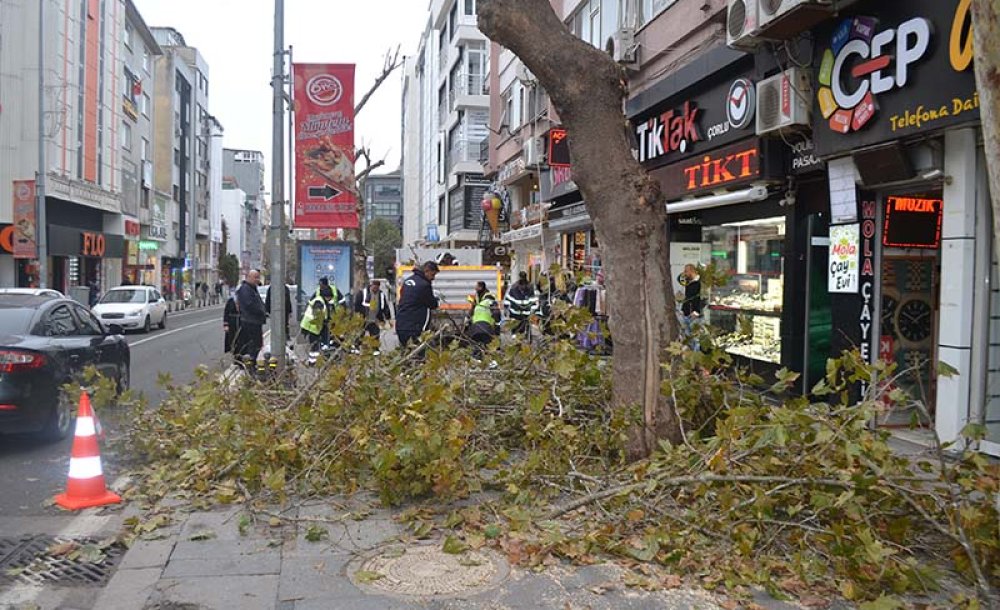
[(426, 571)]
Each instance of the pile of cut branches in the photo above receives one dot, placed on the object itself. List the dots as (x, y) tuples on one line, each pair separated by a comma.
[(794, 495)]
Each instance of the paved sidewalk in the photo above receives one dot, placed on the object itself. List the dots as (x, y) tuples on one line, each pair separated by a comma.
[(205, 562)]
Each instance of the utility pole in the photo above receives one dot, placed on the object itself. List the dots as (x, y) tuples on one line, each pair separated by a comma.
[(40, 223), (278, 327)]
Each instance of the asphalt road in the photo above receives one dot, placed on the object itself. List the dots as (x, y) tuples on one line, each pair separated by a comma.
[(31, 473)]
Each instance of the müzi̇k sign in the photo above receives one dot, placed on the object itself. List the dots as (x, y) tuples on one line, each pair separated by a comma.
[(893, 70)]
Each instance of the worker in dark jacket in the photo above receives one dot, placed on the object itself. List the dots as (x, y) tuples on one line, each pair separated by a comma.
[(521, 303), (231, 324), (288, 305), (252, 317), (413, 314)]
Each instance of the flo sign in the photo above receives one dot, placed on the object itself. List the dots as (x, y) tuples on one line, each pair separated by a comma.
[(892, 70)]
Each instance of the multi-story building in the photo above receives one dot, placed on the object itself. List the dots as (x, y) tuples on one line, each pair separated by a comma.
[(384, 198), (448, 77), (232, 210), (83, 131), (246, 168), (182, 161), (144, 227)]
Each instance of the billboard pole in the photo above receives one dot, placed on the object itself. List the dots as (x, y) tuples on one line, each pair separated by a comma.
[(40, 222), (278, 326)]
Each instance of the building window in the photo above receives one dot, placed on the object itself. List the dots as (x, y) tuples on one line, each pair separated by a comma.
[(145, 103), (144, 149), (177, 197), (470, 7), (595, 23), (442, 211), (146, 61), (129, 34), (126, 136), (452, 20)]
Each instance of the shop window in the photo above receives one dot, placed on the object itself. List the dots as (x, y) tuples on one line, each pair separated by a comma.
[(991, 415), (747, 306)]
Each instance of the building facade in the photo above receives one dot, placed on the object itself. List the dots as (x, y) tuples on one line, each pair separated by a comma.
[(384, 198), (448, 77), (246, 169), (82, 139)]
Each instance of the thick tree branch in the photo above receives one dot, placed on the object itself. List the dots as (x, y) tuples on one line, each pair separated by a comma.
[(389, 66)]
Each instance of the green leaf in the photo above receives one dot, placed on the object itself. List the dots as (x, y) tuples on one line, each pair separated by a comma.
[(492, 531), (976, 432), (946, 370), (315, 533), (454, 546), (882, 603), (365, 576)]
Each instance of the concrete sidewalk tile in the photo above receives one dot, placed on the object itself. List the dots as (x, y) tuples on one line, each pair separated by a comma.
[(128, 589), (147, 554), (316, 576), (374, 602), (345, 537), (219, 593), (244, 565), (209, 549), (224, 524)]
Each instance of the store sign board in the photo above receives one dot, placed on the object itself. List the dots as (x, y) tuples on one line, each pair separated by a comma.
[(728, 166), (845, 241), (324, 146), (558, 148), (682, 128), (325, 259), (804, 157), (24, 219), (912, 222), (892, 70), (867, 274)]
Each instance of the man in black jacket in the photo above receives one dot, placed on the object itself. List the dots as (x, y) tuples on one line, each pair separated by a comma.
[(288, 306), (252, 317), (413, 314), (521, 303)]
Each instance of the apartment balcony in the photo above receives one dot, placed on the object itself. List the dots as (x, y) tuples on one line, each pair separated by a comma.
[(463, 156)]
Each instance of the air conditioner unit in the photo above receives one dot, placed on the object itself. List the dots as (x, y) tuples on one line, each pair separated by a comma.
[(784, 19), (742, 24), (525, 76), (622, 46), (784, 102), (532, 150)]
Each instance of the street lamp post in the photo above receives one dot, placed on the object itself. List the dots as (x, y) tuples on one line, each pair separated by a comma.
[(278, 327), (40, 223)]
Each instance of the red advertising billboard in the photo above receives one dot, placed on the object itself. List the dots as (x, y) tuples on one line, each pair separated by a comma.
[(324, 146), (24, 219)]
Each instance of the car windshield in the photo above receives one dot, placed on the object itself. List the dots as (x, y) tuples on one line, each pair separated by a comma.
[(124, 296)]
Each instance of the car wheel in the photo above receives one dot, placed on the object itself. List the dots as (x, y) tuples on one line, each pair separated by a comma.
[(146, 326), (163, 321), (60, 420), (124, 378)]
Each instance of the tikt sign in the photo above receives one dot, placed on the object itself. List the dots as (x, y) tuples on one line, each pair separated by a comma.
[(863, 64)]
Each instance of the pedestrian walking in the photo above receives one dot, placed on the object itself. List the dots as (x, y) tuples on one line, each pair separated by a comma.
[(204, 294), (413, 314), (231, 325), (250, 339), (691, 306), (521, 303), (374, 306)]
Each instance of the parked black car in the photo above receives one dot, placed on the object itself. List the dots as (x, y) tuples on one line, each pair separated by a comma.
[(45, 342)]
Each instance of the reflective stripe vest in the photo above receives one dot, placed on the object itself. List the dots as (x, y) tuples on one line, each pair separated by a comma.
[(521, 301), (313, 319), (483, 310)]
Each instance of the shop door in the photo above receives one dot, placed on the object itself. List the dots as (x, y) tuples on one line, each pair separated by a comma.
[(909, 321), (819, 319)]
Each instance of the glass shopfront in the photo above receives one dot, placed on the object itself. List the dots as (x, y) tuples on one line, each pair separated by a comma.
[(748, 305)]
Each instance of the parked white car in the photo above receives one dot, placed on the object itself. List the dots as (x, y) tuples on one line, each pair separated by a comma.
[(132, 307)]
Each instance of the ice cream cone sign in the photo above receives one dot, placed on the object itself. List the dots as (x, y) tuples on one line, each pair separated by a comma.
[(491, 209)]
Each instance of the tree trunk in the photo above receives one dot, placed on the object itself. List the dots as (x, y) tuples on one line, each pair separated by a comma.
[(986, 30), (587, 89)]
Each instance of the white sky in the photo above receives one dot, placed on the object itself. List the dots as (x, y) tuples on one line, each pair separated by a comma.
[(236, 38)]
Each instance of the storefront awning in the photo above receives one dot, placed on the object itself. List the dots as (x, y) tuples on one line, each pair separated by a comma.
[(754, 193)]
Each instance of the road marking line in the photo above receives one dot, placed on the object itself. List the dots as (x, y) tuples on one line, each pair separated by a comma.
[(170, 332), (188, 312)]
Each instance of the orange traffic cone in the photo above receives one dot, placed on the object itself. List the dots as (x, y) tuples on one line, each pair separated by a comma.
[(85, 487)]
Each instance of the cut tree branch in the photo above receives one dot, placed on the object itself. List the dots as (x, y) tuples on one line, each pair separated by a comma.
[(392, 62)]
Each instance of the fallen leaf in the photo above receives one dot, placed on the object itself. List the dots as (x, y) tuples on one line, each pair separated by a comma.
[(274, 522), (672, 581), (453, 545), (315, 533), (60, 550), (364, 576), (205, 534)]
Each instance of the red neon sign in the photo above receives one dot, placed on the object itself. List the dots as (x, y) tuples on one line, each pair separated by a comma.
[(558, 148), (912, 222)]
